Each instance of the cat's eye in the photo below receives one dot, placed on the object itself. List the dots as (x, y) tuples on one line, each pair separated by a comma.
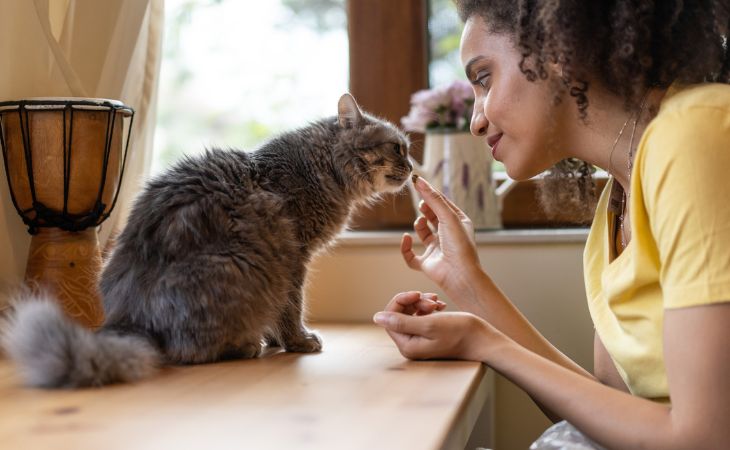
[(397, 149)]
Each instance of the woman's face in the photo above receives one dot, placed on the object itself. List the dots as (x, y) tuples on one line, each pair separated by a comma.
[(516, 116)]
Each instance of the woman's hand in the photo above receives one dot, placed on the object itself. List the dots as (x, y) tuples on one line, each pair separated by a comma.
[(456, 335), (413, 321), (450, 253), (415, 303)]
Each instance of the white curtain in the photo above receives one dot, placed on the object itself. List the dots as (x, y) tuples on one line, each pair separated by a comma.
[(80, 48)]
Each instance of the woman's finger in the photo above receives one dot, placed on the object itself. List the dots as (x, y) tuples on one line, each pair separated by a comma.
[(402, 300), (440, 306), (411, 347), (402, 323), (420, 226), (430, 301), (415, 302), (428, 214), (406, 249), (437, 201), (426, 306)]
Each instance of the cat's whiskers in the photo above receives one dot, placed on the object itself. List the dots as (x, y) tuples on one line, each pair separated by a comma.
[(373, 169)]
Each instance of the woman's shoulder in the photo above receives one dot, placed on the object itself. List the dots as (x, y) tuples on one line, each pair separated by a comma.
[(695, 98), (691, 116), (688, 142)]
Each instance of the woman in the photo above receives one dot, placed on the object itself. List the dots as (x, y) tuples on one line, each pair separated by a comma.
[(638, 89)]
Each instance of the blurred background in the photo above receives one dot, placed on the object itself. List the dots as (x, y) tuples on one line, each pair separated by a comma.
[(250, 76)]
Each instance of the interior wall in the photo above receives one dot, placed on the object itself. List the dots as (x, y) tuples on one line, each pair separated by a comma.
[(544, 280)]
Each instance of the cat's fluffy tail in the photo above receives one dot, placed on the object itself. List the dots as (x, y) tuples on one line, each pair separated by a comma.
[(52, 351)]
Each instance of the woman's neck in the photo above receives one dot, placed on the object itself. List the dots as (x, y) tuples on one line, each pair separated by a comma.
[(612, 133)]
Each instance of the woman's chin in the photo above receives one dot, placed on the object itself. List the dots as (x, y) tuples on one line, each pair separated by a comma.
[(520, 173)]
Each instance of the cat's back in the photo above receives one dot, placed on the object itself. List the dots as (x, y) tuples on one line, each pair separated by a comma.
[(191, 206), (217, 172)]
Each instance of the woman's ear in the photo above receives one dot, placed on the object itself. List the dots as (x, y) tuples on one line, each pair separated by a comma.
[(348, 112)]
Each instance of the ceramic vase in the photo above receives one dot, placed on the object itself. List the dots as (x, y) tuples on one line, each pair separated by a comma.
[(460, 166)]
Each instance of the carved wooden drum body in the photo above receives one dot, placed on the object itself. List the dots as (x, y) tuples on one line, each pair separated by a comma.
[(64, 159)]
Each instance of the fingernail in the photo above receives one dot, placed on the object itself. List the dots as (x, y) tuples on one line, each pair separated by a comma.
[(381, 318), (418, 180)]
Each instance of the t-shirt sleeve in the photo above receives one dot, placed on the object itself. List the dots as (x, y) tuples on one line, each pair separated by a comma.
[(685, 176)]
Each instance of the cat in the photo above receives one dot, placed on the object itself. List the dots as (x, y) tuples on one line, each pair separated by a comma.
[(214, 255)]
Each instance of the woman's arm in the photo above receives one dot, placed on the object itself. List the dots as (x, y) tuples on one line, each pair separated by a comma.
[(484, 299), (604, 368), (696, 357), (698, 369), (450, 259)]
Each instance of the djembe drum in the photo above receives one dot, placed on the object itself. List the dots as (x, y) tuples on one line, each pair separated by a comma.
[(64, 161)]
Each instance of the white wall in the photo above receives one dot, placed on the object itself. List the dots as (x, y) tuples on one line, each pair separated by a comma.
[(540, 271)]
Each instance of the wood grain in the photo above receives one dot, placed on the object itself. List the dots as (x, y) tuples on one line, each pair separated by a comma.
[(359, 393), (67, 265)]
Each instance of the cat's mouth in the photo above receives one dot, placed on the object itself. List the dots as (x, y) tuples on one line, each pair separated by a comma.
[(397, 179)]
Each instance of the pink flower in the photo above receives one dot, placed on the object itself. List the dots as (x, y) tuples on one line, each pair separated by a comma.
[(446, 107), (431, 99), (418, 119)]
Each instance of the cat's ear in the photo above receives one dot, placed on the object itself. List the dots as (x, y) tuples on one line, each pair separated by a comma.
[(348, 113)]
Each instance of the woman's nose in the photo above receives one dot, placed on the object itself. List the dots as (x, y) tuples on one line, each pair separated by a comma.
[(479, 123)]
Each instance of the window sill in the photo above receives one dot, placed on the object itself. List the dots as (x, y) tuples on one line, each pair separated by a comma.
[(510, 236)]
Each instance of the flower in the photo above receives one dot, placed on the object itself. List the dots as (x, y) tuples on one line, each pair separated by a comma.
[(444, 108)]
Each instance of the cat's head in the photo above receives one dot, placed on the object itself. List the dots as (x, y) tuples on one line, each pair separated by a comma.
[(374, 151)]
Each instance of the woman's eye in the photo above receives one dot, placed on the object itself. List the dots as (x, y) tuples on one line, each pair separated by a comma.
[(482, 80)]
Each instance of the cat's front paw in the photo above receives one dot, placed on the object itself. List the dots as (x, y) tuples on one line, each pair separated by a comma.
[(307, 343)]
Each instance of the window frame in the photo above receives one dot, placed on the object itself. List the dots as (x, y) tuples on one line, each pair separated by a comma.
[(388, 54)]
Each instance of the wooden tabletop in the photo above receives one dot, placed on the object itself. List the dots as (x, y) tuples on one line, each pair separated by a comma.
[(358, 393)]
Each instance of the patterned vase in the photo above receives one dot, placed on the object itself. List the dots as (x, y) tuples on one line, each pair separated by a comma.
[(460, 166)]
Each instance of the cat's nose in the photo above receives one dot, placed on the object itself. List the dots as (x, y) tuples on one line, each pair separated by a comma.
[(410, 166)]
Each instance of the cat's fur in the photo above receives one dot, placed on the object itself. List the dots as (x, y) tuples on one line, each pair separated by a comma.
[(214, 255)]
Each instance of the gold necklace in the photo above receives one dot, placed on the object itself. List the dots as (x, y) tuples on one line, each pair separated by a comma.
[(613, 147), (630, 164)]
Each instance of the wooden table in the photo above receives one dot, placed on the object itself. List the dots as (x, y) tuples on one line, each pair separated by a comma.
[(359, 393)]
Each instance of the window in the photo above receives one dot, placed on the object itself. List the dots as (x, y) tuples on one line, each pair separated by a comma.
[(234, 73), (444, 29)]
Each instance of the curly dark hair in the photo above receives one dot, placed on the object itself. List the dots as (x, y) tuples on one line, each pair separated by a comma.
[(627, 46)]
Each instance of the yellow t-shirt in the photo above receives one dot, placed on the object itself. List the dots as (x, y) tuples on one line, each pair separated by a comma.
[(679, 253)]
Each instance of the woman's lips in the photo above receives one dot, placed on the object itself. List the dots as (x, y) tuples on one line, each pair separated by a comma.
[(492, 141)]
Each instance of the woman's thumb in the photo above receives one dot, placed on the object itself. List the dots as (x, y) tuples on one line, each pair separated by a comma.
[(400, 323)]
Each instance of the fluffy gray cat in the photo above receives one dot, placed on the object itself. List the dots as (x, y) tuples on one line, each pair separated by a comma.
[(213, 258)]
